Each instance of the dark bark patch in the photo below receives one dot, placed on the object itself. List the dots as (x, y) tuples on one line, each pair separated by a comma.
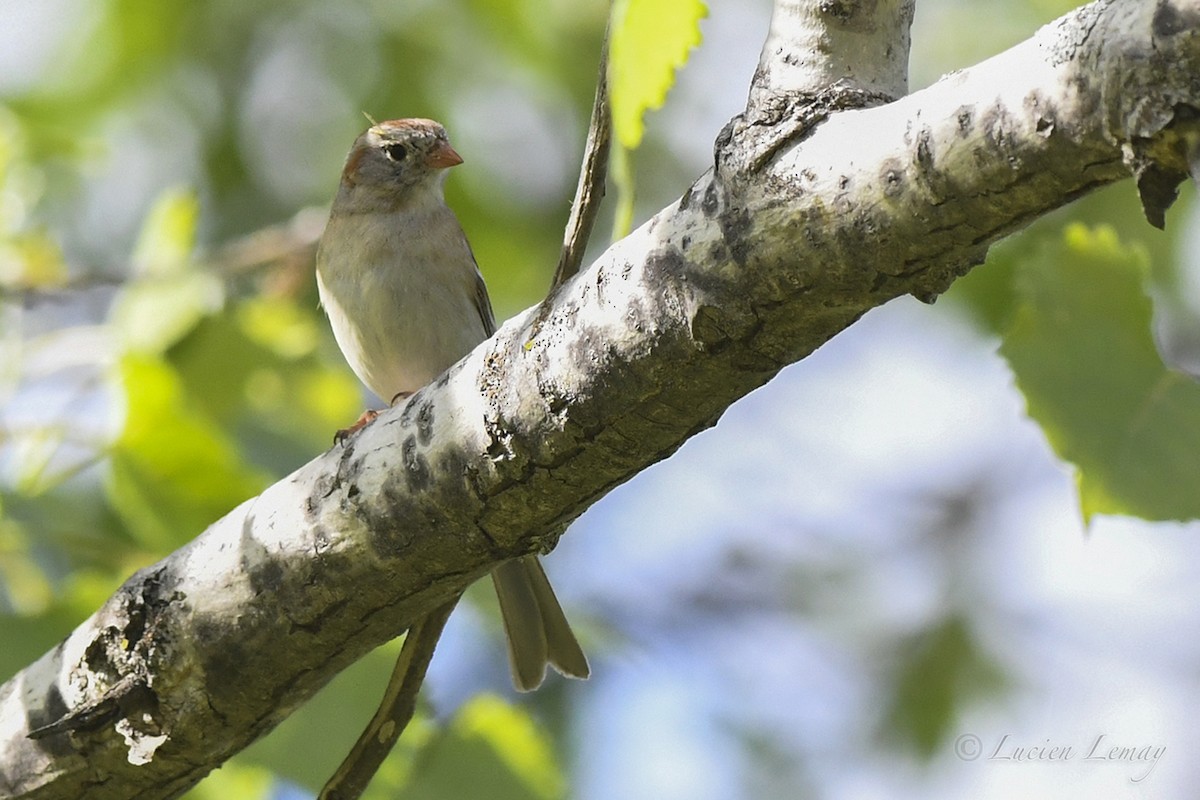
[(420, 412), (965, 117), (1168, 20), (708, 329), (892, 178), (712, 201), (665, 266), (1038, 107), (685, 202), (417, 474), (264, 572), (924, 150), (265, 576), (224, 660), (53, 708), (736, 227)]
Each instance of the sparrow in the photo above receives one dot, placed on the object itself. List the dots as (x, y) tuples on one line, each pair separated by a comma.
[(406, 300)]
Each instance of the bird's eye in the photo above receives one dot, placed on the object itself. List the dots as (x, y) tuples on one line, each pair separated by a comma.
[(395, 152)]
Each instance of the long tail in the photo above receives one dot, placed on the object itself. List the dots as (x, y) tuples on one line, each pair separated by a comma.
[(538, 631)]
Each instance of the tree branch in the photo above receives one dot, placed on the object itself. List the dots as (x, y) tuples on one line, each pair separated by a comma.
[(393, 715), (592, 173), (759, 263), (812, 46)]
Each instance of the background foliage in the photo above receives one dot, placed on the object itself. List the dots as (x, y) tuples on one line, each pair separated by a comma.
[(866, 560)]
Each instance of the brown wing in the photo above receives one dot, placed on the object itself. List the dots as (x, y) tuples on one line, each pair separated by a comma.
[(483, 303)]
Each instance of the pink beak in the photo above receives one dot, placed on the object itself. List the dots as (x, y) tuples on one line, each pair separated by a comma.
[(443, 156)]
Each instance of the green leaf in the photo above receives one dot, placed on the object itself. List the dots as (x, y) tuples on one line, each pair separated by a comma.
[(255, 370), (1084, 357), (169, 294), (491, 749), (622, 178), (152, 314), (173, 471), (308, 746), (27, 638), (24, 585), (988, 292), (31, 260), (650, 39), (940, 672), (234, 779), (168, 236)]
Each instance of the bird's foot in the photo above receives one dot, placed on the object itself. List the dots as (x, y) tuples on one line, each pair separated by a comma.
[(365, 419)]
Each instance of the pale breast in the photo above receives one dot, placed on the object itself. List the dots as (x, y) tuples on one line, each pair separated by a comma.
[(400, 292)]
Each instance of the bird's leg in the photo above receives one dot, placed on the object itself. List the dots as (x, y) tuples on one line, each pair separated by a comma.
[(364, 419)]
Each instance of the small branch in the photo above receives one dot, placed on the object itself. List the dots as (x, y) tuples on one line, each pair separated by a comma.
[(821, 57), (116, 701), (396, 710), (592, 174), (816, 44), (289, 242), (292, 240)]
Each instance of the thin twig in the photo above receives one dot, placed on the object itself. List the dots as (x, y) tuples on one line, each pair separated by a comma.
[(294, 239), (396, 710), (592, 174)]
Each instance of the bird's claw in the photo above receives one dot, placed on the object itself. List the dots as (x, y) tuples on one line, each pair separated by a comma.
[(365, 419)]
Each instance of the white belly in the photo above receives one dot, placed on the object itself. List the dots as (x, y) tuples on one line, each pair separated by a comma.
[(403, 304)]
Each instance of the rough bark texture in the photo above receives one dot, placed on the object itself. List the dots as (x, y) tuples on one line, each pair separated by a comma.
[(798, 230)]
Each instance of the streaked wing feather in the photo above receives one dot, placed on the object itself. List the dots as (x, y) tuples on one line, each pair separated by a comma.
[(483, 303)]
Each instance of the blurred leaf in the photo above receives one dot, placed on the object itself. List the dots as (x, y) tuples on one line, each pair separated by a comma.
[(621, 171), (650, 40), (169, 295), (24, 639), (31, 261), (215, 360), (168, 235), (151, 315), (173, 471), (1084, 357), (71, 528), (988, 290), (25, 585), (86, 589), (491, 748), (32, 454), (309, 745), (29, 256), (234, 779), (943, 670), (278, 324), (254, 370)]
